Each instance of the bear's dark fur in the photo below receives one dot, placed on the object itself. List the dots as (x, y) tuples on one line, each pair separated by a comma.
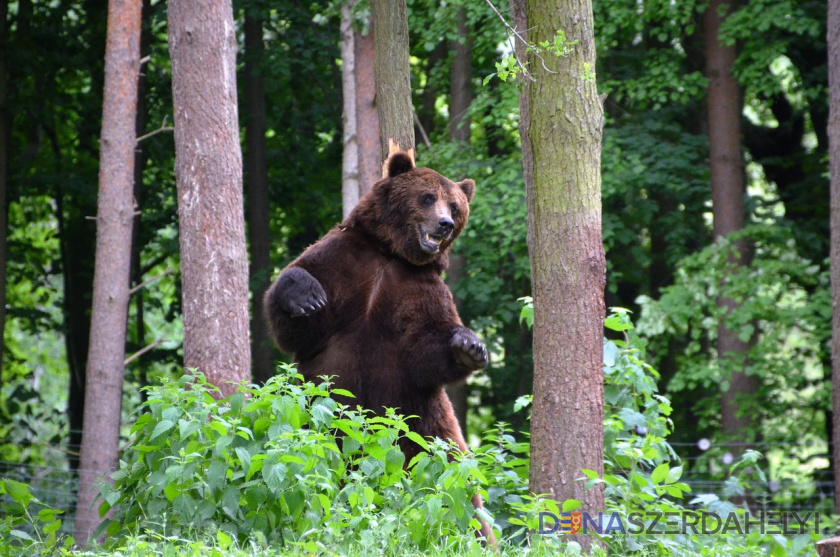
[(367, 304)]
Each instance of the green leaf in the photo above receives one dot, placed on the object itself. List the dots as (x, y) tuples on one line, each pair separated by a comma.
[(417, 438), (51, 527), (22, 535), (187, 428), (171, 491), (223, 539), (394, 461), (674, 474), (343, 392), (660, 473), (570, 505), (19, 492), (162, 427), (614, 323)]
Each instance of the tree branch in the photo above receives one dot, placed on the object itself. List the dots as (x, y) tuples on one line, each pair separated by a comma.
[(142, 351), (134, 290), (423, 135)]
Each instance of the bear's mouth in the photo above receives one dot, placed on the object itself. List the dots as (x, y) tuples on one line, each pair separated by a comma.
[(430, 241)]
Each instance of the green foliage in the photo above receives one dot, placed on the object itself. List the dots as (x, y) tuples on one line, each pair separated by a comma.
[(266, 464), (782, 310), (26, 524), (511, 66)]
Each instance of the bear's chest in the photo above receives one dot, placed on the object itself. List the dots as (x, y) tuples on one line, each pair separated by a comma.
[(396, 298)]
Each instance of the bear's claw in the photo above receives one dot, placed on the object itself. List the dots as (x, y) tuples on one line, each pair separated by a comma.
[(300, 293), (469, 352)]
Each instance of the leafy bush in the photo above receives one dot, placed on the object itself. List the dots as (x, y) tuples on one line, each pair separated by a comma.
[(26, 523), (267, 464), (286, 466)]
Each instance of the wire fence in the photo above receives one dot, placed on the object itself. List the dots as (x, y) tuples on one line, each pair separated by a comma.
[(55, 484)]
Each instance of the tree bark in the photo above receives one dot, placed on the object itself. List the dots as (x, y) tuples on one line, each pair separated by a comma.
[(115, 217), (460, 82), (460, 99), (727, 183), (208, 172), (256, 171), (350, 157), (140, 158), (393, 79), (833, 36), (5, 135), (361, 163), (561, 121), (367, 115)]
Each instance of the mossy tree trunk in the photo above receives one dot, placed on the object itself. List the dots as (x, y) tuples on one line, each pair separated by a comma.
[(561, 121), (393, 78), (114, 223)]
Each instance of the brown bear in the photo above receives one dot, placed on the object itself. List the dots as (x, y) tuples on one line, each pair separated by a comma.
[(367, 304)]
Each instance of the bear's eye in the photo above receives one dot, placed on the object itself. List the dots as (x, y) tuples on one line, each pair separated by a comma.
[(454, 208), (427, 200)]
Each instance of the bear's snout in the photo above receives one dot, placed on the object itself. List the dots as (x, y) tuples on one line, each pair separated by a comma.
[(446, 226)]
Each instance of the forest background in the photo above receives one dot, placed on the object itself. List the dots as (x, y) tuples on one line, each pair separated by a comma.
[(658, 234)]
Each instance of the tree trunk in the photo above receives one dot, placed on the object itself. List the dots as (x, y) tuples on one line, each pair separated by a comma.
[(140, 158), (561, 122), (256, 170), (76, 235), (5, 135), (114, 220), (361, 164), (727, 182), (393, 78), (460, 98), (367, 115), (834, 155), (460, 82), (208, 172), (350, 157)]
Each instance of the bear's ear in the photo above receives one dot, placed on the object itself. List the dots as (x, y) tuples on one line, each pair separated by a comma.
[(398, 163), (468, 187)]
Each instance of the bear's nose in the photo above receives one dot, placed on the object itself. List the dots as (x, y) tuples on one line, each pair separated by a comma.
[(446, 224)]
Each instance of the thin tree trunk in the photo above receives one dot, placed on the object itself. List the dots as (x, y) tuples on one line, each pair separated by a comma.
[(561, 122), (114, 219), (834, 156), (256, 170), (393, 78), (367, 115), (75, 235), (140, 158), (361, 164), (208, 172), (5, 135), (460, 99), (350, 157), (460, 82), (727, 182)]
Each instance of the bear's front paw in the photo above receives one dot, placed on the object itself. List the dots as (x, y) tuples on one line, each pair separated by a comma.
[(300, 293), (469, 352)]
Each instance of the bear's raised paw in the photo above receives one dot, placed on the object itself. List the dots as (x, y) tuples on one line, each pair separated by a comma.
[(469, 352), (299, 293)]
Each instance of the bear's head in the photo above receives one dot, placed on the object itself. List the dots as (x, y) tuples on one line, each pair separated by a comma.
[(415, 212)]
